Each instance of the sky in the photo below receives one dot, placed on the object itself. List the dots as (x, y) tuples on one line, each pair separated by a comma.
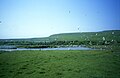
[(42, 18)]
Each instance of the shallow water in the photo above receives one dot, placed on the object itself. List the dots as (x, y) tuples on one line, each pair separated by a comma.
[(61, 48)]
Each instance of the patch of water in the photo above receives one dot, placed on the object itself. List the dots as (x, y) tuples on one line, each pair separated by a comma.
[(61, 48)]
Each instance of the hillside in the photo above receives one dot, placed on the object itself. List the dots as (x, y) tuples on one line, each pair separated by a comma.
[(83, 36), (87, 36)]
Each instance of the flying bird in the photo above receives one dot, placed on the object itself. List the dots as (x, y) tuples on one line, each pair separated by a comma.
[(69, 11)]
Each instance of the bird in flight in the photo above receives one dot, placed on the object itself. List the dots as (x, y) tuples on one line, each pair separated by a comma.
[(69, 11)]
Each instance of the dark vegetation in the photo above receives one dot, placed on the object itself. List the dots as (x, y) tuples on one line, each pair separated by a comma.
[(111, 37)]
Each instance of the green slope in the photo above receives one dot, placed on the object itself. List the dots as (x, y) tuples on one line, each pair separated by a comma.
[(83, 36)]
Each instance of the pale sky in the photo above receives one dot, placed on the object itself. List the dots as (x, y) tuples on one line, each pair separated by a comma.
[(41, 18)]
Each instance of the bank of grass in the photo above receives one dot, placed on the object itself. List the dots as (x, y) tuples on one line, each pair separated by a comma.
[(105, 47), (60, 64)]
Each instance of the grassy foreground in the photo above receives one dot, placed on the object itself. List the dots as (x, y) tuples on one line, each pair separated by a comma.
[(60, 64)]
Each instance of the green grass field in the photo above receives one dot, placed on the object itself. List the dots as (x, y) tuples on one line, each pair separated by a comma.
[(102, 63), (60, 64)]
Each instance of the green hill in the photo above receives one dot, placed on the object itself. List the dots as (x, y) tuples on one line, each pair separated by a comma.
[(111, 36), (83, 36)]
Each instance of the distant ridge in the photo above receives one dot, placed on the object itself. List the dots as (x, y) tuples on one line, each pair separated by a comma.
[(79, 36)]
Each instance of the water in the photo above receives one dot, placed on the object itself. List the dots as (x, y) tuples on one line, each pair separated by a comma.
[(67, 48), (7, 47), (61, 48)]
